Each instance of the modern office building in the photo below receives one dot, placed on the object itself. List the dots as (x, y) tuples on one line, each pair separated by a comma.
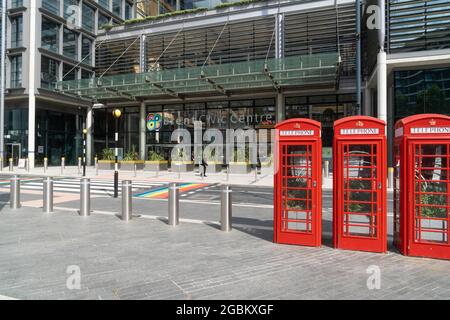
[(228, 64)]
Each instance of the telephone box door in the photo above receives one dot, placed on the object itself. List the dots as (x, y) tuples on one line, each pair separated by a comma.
[(429, 198), (361, 217), (298, 184)]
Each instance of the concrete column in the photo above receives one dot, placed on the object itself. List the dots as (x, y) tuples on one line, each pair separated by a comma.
[(142, 131), (89, 136), (390, 124), (31, 85), (280, 110), (367, 102), (382, 86)]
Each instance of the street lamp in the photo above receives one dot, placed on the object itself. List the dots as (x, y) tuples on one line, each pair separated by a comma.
[(116, 114), (84, 151)]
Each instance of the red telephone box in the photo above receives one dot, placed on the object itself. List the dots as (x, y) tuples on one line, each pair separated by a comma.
[(298, 183), (359, 184), (422, 186)]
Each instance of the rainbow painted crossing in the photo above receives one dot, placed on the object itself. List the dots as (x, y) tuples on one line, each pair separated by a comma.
[(163, 193)]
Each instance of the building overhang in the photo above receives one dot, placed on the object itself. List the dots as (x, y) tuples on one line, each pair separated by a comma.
[(411, 61), (222, 79)]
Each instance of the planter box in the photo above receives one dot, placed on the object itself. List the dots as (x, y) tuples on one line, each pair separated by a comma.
[(129, 165), (213, 167), (182, 166), (156, 165), (240, 167), (105, 164)]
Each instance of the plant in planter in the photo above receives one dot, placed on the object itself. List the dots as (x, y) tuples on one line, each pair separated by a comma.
[(240, 161), (131, 159), (107, 159), (155, 162)]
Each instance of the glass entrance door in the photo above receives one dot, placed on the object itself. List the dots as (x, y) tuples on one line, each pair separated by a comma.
[(13, 150)]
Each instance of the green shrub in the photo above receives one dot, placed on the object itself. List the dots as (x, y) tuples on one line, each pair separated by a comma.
[(240, 3), (108, 154), (155, 156), (131, 155)]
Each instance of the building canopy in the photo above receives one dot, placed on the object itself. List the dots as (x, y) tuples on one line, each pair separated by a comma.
[(275, 74)]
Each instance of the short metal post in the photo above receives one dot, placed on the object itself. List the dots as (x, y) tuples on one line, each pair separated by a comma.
[(48, 195), (79, 165), (135, 168), (45, 164), (11, 165), (173, 204), (96, 165), (326, 168), (63, 160), (390, 178), (228, 172), (256, 173), (1, 163), (225, 208), (85, 194), (126, 200), (14, 200), (28, 164)]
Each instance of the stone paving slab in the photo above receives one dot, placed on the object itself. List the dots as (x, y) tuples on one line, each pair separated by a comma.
[(147, 259)]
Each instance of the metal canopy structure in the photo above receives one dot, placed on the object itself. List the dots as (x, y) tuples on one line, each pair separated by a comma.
[(222, 79)]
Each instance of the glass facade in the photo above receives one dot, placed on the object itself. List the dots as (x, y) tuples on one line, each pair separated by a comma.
[(49, 72), (222, 115), (70, 43), (416, 25), (69, 72), (16, 71), (325, 109), (16, 3), (60, 134), (102, 19), (117, 7), (50, 35), (71, 11), (86, 50), (16, 31), (421, 91), (104, 3), (51, 5), (88, 18)]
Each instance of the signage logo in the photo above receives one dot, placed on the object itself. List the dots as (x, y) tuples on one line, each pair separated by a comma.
[(296, 132), (154, 121), (430, 130), (360, 131), (359, 124), (432, 122)]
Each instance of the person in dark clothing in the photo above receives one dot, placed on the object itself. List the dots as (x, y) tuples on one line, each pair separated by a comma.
[(204, 164)]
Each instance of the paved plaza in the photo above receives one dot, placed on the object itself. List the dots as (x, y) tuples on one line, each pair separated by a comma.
[(147, 259)]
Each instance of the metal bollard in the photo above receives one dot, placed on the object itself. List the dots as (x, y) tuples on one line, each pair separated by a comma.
[(48, 195), (228, 172), (28, 164), (126, 200), (11, 165), (45, 164), (96, 165), (390, 178), (225, 208), (135, 168), (85, 197), (79, 165), (174, 194), (326, 168), (1, 164), (63, 163), (14, 200)]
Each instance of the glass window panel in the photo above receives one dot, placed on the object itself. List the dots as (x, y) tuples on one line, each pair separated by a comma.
[(88, 18), (117, 7), (16, 31), (50, 35), (70, 43), (51, 5), (16, 71), (49, 72)]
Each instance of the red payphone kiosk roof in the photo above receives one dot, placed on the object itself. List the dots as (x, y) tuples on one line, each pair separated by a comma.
[(359, 121), (296, 120), (425, 125), (419, 117)]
